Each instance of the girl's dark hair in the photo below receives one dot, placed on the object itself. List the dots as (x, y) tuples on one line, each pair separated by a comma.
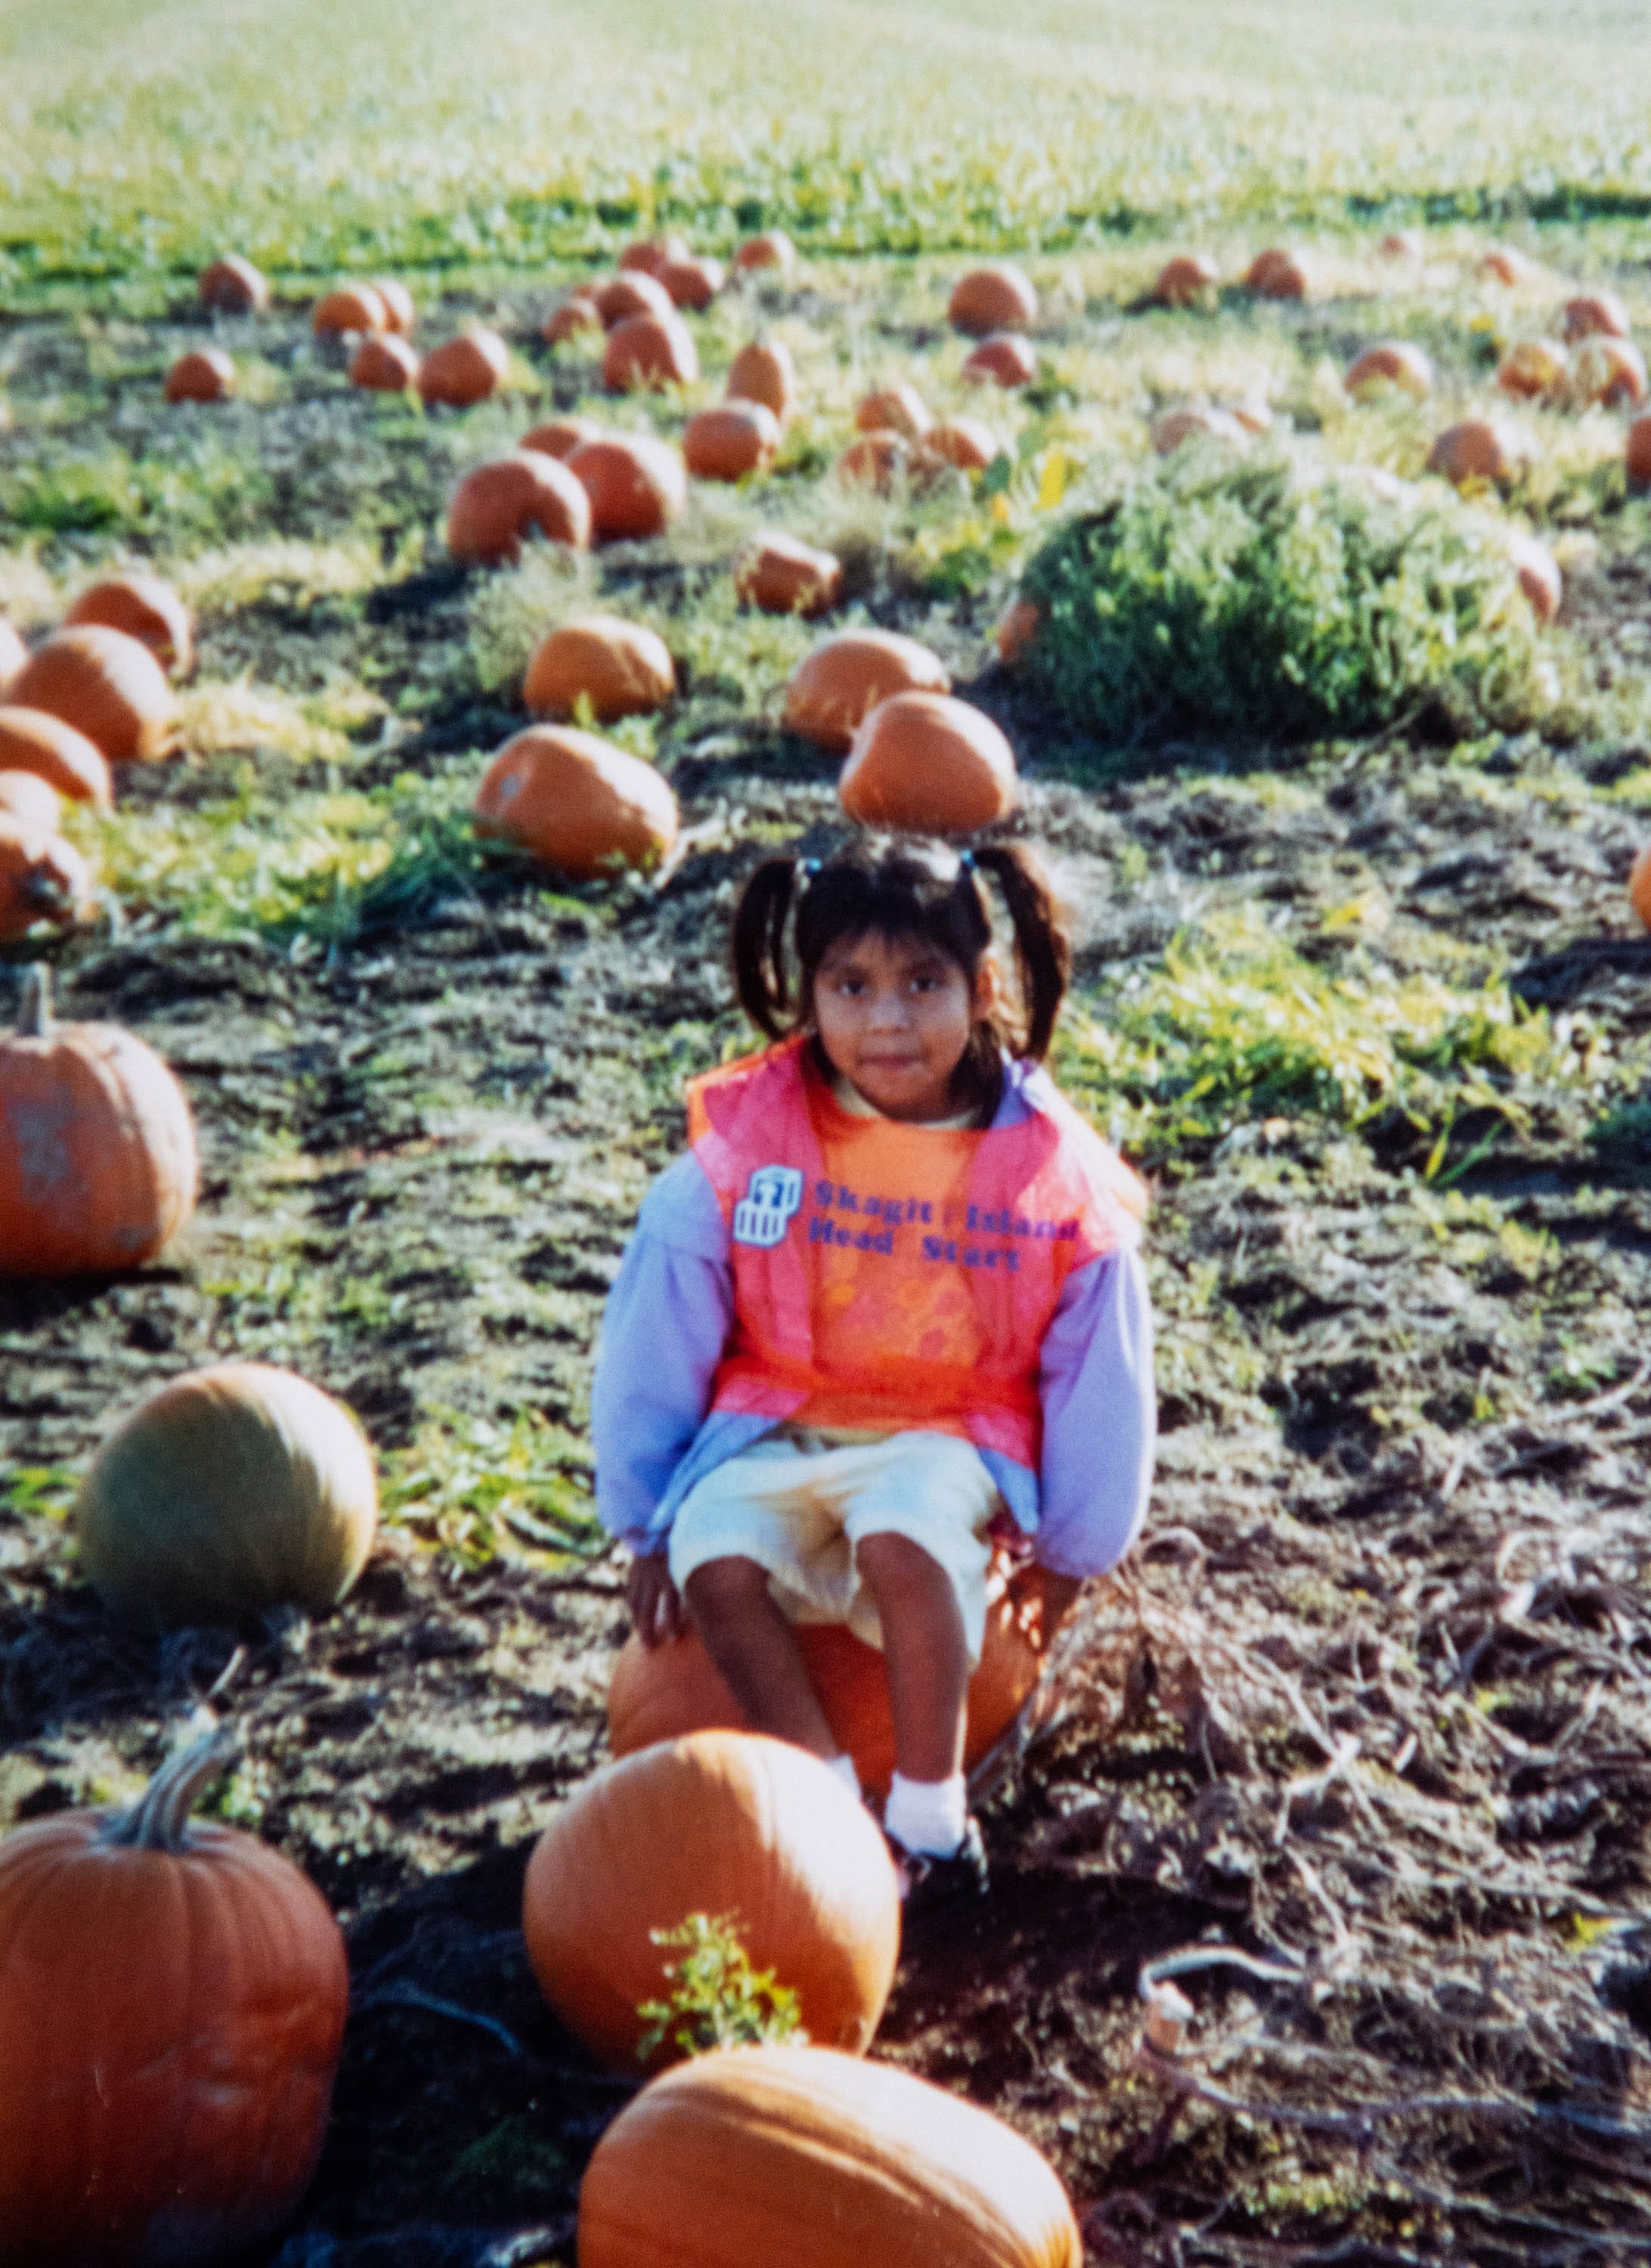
[(905, 886)]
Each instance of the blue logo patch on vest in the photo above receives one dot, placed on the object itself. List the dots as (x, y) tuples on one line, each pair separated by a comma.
[(771, 1197)]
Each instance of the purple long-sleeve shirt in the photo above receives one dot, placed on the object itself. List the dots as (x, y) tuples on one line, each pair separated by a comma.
[(669, 1317)]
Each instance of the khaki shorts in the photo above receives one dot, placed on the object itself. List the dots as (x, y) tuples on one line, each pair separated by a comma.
[(798, 1506)]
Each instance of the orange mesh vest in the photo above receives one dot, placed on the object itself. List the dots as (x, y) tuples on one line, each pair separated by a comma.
[(888, 1275)]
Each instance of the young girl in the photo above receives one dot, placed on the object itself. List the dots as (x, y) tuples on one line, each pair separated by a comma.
[(891, 1294)]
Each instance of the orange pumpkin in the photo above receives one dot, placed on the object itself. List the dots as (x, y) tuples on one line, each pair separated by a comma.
[(660, 1694), (820, 2160), (693, 282), (497, 506), (1640, 885), (224, 1494), (1392, 363), (353, 307), (13, 654), (730, 440), (649, 350), (577, 803), (1277, 274), (764, 372), (385, 364), (1531, 367), (32, 741), (877, 460), (400, 313), (1188, 276), (653, 254), (1401, 243), (895, 410), (636, 483), (637, 292), (1004, 359), (1539, 576), (464, 370), (1637, 452), (1502, 264), (1475, 449), (1608, 370), (1596, 315), (772, 250), (998, 297), (32, 802), (965, 442), (1177, 427), (927, 764), (715, 1824), (172, 2010), (106, 685), (204, 374), (1251, 416), (559, 437), (145, 608), (234, 286), (575, 314), (781, 575), (621, 668), (97, 1168), (839, 684), (1015, 633), (42, 879)]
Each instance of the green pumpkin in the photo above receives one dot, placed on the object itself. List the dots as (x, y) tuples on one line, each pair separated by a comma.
[(225, 1493)]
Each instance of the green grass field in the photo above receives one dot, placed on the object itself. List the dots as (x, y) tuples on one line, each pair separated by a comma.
[(437, 132)]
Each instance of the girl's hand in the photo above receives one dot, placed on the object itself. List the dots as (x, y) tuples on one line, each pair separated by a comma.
[(654, 1601)]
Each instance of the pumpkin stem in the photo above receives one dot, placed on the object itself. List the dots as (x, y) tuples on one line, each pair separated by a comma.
[(159, 1819), (34, 1018)]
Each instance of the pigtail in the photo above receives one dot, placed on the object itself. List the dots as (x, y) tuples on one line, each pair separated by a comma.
[(760, 976), (1041, 946)]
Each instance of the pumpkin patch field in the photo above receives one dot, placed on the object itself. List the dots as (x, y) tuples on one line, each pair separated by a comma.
[(466, 502)]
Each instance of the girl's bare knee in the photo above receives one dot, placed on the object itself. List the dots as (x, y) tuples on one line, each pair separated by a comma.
[(722, 1588), (895, 1564)]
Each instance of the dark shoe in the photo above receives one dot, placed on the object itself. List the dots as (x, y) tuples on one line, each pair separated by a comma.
[(931, 1888)]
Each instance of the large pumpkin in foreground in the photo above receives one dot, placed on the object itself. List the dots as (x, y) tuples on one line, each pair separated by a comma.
[(98, 1166), (842, 680), (225, 1493), (577, 802), (172, 2008), (718, 1824), (106, 685), (660, 1694), (801, 2158)]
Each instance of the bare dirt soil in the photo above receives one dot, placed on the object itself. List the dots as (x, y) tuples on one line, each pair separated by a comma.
[(1362, 1728)]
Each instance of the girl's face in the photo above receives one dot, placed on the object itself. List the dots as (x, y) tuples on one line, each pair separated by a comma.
[(894, 1016)]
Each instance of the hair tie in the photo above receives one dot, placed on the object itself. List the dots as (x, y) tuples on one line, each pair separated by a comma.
[(965, 862), (807, 869)]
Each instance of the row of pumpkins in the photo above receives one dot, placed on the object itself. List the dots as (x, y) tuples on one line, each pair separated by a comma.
[(636, 311), (173, 2000)]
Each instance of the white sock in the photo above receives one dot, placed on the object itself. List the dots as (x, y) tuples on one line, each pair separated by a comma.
[(928, 1816), (844, 1767)]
